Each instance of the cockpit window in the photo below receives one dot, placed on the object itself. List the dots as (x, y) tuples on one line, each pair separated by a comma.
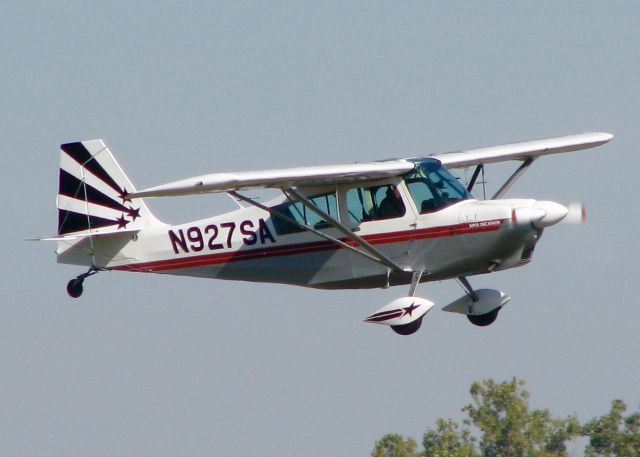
[(432, 187), (374, 203)]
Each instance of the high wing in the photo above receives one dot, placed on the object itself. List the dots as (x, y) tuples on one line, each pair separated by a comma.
[(522, 151), (331, 174), (278, 179)]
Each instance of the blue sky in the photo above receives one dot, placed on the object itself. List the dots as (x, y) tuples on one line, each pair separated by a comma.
[(155, 365)]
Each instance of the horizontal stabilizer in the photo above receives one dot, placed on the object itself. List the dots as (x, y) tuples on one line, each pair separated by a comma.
[(79, 236)]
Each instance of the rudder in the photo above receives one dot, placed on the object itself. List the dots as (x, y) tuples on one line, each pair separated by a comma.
[(92, 194)]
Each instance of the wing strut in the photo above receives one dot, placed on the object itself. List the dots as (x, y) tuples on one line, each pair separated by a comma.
[(479, 168), (376, 257), (516, 174)]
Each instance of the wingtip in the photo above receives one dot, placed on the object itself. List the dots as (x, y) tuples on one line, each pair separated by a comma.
[(603, 137)]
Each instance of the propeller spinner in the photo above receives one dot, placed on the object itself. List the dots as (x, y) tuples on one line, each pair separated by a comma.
[(544, 214)]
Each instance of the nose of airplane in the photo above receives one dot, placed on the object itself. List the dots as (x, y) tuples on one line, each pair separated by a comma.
[(545, 214), (551, 212)]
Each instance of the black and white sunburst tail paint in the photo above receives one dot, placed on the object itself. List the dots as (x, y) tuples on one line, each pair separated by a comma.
[(93, 195)]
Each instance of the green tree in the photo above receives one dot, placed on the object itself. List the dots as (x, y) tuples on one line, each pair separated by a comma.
[(499, 423), (613, 434), (509, 429), (394, 445), (448, 440)]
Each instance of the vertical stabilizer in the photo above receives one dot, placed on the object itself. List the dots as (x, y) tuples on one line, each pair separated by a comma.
[(92, 197)]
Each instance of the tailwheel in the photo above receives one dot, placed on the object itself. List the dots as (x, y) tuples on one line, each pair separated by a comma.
[(483, 320), (74, 287)]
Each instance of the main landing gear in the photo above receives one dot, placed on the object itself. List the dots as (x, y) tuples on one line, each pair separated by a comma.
[(481, 320), (74, 287), (414, 325), (480, 306), (404, 315)]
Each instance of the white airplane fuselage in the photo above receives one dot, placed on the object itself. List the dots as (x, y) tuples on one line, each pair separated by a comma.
[(466, 238)]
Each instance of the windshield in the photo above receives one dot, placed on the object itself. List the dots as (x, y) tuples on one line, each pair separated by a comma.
[(432, 187)]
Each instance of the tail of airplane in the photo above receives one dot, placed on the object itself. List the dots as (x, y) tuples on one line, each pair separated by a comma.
[(94, 211), (92, 197)]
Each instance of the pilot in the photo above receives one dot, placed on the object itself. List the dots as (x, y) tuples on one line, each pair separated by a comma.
[(392, 205)]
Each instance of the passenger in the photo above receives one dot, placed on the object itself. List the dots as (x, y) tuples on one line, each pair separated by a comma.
[(392, 205)]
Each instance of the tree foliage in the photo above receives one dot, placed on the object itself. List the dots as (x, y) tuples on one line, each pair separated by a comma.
[(613, 434), (393, 445), (448, 440), (509, 429), (500, 423)]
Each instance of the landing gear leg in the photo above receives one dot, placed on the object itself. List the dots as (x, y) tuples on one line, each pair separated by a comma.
[(415, 279), (472, 293), (74, 287)]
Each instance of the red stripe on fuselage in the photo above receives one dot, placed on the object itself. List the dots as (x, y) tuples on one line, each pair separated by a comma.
[(305, 248)]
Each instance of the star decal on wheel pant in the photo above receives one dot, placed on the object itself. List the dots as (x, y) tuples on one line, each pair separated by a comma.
[(409, 309)]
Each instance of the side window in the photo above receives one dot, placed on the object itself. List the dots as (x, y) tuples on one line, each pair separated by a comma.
[(303, 215), (327, 204), (374, 203), (292, 210)]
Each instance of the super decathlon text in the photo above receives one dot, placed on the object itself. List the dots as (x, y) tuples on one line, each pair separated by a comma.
[(484, 224), (218, 236)]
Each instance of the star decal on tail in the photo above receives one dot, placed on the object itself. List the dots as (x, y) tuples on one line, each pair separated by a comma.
[(124, 195), (122, 222), (133, 213)]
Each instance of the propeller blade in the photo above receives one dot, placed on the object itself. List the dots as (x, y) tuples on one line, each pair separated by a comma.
[(576, 214)]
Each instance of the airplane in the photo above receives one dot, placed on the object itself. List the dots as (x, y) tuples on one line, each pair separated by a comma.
[(355, 226)]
